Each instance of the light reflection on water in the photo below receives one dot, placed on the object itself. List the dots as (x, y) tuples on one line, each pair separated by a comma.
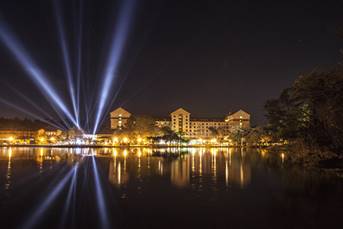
[(183, 170), (142, 181)]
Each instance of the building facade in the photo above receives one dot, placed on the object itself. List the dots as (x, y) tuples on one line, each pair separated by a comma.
[(119, 118), (180, 121)]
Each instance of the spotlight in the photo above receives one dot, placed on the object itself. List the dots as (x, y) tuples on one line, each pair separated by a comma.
[(34, 105), (119, 40), (29, 113), (35, 73), (66, 59)]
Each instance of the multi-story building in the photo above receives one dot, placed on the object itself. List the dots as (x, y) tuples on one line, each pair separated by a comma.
[(119, 118), (180, 121), (205, 127), (239, 119)]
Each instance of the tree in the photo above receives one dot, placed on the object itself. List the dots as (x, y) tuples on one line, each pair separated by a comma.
[(218, 132), (311, 111), (257, 136), (143, 126)]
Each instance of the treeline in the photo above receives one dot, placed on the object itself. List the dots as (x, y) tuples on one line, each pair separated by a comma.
[(310, 114), (22, 124)]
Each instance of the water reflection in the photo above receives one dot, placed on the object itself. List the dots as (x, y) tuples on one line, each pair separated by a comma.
[(117, 169), (9, 169), (143, 181), (180, 172), (214, 165)]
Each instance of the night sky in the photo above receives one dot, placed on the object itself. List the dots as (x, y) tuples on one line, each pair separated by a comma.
[(210, 57)]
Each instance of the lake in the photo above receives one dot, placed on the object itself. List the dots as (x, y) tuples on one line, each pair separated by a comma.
[(163, 188)]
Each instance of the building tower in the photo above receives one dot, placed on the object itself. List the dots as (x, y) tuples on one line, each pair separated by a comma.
[(180, 121), (119, 118)]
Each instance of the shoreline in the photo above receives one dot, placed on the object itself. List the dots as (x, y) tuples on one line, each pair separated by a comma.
[(127, 146)]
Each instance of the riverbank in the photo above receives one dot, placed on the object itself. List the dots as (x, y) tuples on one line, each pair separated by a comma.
[(312, 158), (128, 146)]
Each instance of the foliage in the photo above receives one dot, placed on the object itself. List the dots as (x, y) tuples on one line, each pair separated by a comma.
[(169, 136), (257, 136), (310, 111), (218, 132), (143, 126)]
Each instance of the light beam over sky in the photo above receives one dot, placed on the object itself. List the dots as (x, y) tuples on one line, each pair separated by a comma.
[(119, 40), (18, 108), (33, 71), (34, 105), (79, 56), (66, 58)]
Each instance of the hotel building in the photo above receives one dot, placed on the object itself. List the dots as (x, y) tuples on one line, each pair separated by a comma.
[(180, 121), (119, 118)]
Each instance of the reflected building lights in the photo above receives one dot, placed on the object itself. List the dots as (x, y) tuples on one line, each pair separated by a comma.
[(114, 152), (112, 170), (41, 160), (125, 153), (241, 169), (198, 169), (263, 152), (241, 172), (160, 167), (119, 174), (139, 154), (179, 173), (200, 164), (193, 163), (9, 170), (226, 172), (214, 152), (148, 161), (117, 168)]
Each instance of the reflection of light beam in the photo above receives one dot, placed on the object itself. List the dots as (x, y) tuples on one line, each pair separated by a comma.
[(37, 214), (29, 113), (116, 51), (100, 196), (71, 193), (66, 59), (35, 73)]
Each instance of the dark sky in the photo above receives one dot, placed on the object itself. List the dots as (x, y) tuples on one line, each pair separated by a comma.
[(210, 57)]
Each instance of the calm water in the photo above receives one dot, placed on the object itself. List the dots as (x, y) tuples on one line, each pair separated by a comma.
[(141, 188)]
